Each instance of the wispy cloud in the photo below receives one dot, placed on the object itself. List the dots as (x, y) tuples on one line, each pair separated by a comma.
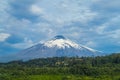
[(4, 36), (36, 10), (84, 21)]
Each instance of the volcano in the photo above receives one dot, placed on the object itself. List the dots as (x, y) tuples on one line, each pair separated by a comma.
[(59, 46)]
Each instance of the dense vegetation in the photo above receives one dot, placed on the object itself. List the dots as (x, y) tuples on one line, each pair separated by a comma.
[(63, 68)]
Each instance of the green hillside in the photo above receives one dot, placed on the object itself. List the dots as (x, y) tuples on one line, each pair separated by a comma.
[(63, 68)]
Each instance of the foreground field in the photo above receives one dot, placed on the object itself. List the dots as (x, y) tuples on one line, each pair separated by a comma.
[(59, 77)]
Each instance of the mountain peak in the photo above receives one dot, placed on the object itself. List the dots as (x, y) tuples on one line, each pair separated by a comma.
[(59, 37), (60, 41)]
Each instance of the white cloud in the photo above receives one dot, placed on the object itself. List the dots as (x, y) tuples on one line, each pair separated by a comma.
[(91, 44), (4, 6), (4, 36), (110, 4), (115, 34), (63, 12), (27, 43), (111, 25), (100, 29), (36, 10)]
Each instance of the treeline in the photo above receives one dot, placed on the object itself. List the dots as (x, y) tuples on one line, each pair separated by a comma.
[(83, 66)]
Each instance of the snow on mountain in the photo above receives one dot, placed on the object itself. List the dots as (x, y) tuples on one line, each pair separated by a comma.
[(90, 49), (61, 43)]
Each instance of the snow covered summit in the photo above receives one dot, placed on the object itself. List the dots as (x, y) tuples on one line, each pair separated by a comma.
[(61, 42)]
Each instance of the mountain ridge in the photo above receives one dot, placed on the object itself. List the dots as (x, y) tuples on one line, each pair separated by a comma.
[(58, 46)]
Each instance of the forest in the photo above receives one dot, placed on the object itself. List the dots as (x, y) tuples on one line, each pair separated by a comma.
[(63, 68)]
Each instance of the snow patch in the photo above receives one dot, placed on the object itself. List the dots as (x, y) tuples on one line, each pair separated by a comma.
[(90, 49), (61, 43)]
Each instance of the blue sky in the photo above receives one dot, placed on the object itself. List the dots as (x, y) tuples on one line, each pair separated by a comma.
[(94, 23)]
